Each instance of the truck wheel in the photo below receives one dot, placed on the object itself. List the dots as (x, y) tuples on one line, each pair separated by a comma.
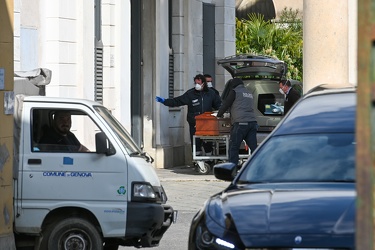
[(75, 234)]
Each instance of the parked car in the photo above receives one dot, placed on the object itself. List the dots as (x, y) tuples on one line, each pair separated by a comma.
[(297, 191), (261, 75)]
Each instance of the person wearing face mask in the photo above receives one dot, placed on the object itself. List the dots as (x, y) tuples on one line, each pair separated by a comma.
[(291, 95), (209, 83), (199, 99)]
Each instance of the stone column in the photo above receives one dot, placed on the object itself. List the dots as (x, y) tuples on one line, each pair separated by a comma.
[(6, 118), (225, 28), (353, 40), (325, 38)]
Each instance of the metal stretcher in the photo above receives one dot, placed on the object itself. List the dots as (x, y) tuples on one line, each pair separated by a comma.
[(220, 152)]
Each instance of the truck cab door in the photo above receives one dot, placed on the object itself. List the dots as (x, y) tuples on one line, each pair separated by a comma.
[(55, 176)]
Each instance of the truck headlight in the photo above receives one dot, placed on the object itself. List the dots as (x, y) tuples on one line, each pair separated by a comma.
[(143, 191)]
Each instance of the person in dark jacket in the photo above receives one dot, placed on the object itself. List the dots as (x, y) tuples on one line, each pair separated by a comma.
[(240, 102), (291, 95), (199, 99), (209, 83)]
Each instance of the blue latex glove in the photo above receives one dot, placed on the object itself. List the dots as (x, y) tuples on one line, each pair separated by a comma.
[(159, 99)]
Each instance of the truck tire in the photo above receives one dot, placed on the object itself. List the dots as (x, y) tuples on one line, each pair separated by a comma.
[(74, 234)]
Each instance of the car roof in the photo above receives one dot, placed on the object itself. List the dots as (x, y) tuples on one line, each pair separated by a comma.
[(324, 109), (326, 87)]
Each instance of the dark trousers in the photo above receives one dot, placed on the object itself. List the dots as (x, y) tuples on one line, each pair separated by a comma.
[(242, 131)]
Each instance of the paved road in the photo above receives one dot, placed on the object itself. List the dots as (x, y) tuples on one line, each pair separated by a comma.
[(187, 191)]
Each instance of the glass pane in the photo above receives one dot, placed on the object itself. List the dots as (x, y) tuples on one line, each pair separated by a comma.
[(317, 157)]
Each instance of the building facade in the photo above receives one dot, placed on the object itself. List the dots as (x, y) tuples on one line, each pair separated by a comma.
[(123, 54)]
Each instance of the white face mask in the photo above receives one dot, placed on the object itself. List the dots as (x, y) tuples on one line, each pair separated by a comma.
[(281, 92), (209, 84), (198, 87)]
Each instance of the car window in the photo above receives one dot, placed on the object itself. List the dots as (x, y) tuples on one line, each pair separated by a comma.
[(304, 157), (269, 105)]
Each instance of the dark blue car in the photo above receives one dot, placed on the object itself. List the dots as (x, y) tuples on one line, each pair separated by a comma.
[(297, 191)]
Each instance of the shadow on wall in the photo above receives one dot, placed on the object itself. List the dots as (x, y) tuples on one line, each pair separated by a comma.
[(264, 7)]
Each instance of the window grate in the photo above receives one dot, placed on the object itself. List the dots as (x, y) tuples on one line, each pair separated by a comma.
[(99, 74), (171, 76)]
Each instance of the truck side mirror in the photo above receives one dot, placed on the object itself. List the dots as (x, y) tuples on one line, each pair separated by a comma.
[(103, 145)]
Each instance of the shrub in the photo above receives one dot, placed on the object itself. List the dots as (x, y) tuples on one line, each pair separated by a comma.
[(282, 39)]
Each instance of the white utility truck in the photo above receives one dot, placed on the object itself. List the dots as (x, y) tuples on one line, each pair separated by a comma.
[(100, 199)]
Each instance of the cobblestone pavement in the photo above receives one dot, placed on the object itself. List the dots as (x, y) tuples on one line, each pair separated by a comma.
[(186, 189)]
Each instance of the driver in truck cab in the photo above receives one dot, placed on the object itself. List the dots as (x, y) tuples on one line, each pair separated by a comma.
[(59, 137)]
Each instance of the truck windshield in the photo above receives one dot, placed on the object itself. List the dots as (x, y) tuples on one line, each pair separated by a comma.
[(123, 135)]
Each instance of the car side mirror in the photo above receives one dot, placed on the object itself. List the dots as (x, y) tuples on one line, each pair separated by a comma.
[(103, 145), (225, 171)]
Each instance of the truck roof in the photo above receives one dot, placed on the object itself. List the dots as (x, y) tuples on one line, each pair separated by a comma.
[(60, 100)]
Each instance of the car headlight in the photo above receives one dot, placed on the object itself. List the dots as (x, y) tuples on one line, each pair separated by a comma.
[(205, 240), (224, 243), (143, 191)]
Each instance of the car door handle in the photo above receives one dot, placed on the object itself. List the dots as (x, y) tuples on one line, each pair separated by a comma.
[(34, 161)]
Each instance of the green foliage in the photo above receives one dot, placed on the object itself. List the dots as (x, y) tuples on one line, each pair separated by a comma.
[(282, 39)]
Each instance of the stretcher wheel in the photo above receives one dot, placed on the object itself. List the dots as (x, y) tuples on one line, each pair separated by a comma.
[(203, 167)]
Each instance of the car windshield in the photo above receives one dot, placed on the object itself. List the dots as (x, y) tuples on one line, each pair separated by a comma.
[(125, 138), (303, 158)]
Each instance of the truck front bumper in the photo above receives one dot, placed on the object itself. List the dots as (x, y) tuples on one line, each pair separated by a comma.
[(147, 222)]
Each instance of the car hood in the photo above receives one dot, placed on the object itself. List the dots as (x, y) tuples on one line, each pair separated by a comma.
[(281, 209)]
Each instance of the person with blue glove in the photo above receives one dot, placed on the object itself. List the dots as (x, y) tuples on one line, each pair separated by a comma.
[(199, 99), (160, 99)]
